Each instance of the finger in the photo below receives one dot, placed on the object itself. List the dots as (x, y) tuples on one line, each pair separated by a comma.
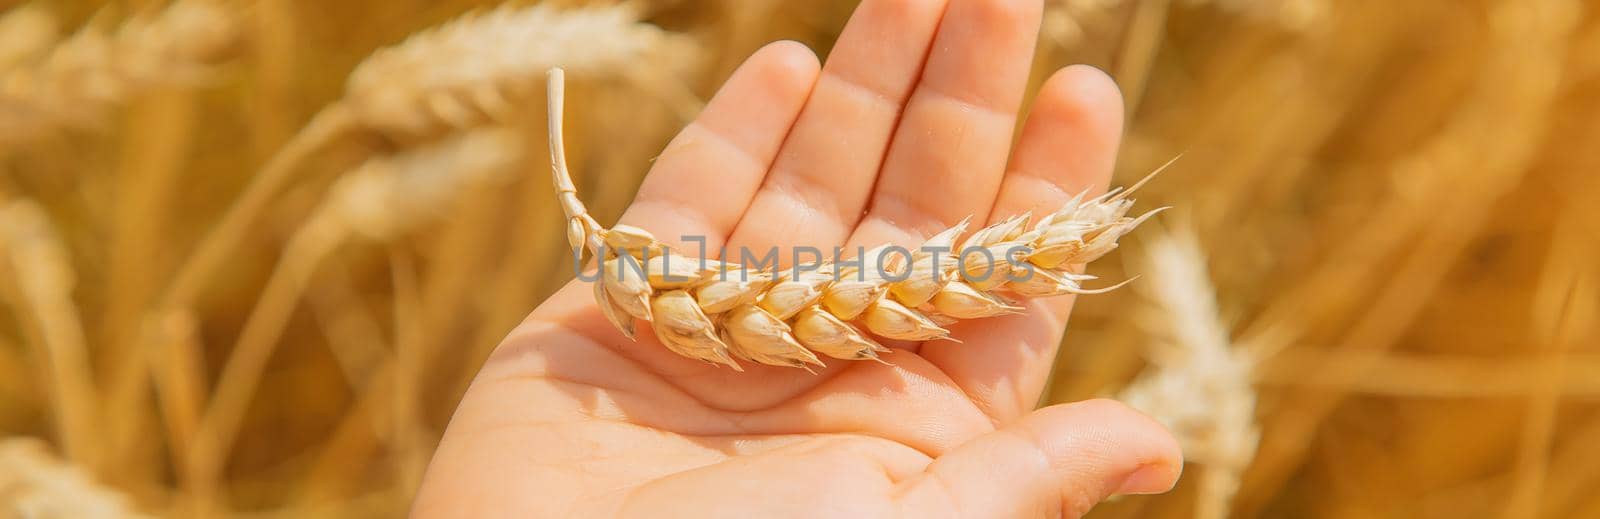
[(1059, 461), (1069, 144), (819, 185), (950, 149), (704, 180)]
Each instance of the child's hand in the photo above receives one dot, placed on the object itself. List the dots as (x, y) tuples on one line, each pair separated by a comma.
[(905, 131)]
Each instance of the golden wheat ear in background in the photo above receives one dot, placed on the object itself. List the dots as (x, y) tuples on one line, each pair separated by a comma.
[(1407, 186), (1198, 384), (79, 79)]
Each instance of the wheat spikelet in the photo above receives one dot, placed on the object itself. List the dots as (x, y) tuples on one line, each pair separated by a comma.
[(33, 483), (470, 71), (719, 312), (1200, 385), (97, 68)]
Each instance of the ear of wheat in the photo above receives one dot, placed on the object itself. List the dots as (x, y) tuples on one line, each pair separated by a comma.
[(78, 80), (698, 310), (1199, 386)]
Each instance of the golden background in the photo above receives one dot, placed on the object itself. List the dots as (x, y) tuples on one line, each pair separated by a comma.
[(1395, 202)]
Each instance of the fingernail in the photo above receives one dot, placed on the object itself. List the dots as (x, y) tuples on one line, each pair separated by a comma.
[(1148, 479)]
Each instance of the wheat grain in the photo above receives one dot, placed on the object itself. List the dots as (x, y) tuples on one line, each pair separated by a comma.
[(33, 483), (699, 311), (1200, 385), (79, 80)]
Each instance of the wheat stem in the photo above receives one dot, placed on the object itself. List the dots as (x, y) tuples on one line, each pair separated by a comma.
[(242, 372), (351, 330), (14, 375), (216, 430), (405, 426), (276, 51), (43, 271), (1136, 58), (582, 229), (1564, 309), (353, 442), (180, 385), (149, 176), (212, 252)]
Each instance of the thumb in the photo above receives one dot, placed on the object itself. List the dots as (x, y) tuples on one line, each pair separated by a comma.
[(1060, 460)]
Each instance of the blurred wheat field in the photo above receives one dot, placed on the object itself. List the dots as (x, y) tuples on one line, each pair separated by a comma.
[(241, 278)]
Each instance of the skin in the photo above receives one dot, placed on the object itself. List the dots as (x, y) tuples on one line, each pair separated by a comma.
[(906, 130)]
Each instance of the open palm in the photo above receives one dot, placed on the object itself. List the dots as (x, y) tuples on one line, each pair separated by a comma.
[(905, 131)]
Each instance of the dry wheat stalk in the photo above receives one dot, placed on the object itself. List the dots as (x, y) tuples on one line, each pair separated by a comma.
[(717, 312), (97, 68), (1200, 385), (33, 483), (42, 269)]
